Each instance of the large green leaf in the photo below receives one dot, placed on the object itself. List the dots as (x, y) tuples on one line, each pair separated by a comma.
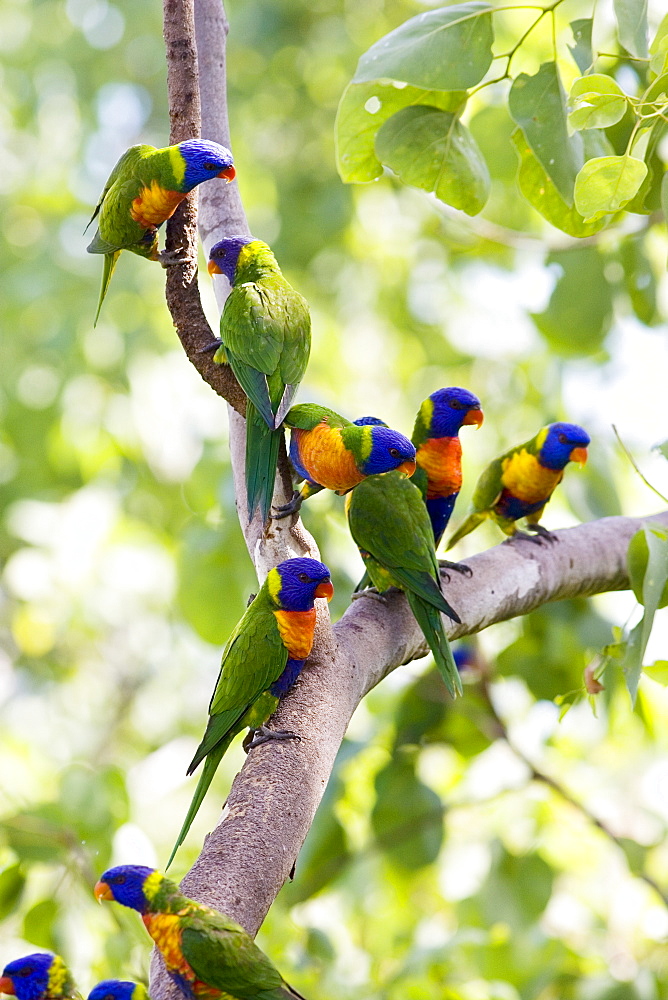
[(538, 105), (432, 150), (540, 191), (649, 585), (606, 183), (639, 279), (579, 312), (632, 26), (407, 818), (363, 108), (597, 102), (582, 50), (445, 49), (12, 882)]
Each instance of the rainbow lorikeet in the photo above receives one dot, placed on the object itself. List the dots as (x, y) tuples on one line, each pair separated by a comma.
[(439, 452), (329, 452), (265, 336), (522, 480), (390, 524), (261, 661), (207, 954), (118, 989), (41, 976), (143, 191)]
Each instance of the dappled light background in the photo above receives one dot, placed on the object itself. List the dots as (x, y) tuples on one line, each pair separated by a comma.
[(441, 863)]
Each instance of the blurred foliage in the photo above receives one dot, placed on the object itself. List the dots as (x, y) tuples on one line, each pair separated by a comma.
[(441, 864)]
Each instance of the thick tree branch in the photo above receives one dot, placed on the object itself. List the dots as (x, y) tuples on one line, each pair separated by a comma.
[(271, 805)]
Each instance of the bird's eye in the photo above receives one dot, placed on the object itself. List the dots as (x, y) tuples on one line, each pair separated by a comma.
[(119, 880), (27, 970), (456, 405), (304, 577), (394, 452), (563, 439), (210, 166)]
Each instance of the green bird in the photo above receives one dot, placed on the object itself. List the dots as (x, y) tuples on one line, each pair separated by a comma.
[(265, 337), (261, 661), (391, 526), (206, 953), (143, 191)]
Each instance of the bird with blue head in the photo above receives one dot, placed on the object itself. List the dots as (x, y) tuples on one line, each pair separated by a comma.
[(118, 989), (144, 190), (520, 482), (262, 660), (206, 953), (39, 976)]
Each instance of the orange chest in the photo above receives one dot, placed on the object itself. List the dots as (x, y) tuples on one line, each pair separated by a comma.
[(441, 459), (525, 478), (326, 459), (154, 204), (165, 929), (296, 630)]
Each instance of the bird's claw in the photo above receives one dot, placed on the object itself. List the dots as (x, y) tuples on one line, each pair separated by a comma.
[(523, 536), (263, 735), (458, 567), (170, 257), (286, 509), (538, 529), (210, 348)]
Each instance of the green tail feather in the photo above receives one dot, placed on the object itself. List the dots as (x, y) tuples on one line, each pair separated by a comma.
[(429, 620), (471, 522), (261, 459), (110, 261), (211, 763)]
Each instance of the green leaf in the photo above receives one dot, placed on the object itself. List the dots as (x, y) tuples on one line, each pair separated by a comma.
[(539, 191), (649, 585), (582, 50), (432, 150), (658, 671), (407, 818), (659, 48), (12, 882), (537, 104), (639, 279), (597, 102), (517, 889), (632, 26), (606, 183), (449, 48), (664, 195), (579, 312), (363, 108), (38, 924)]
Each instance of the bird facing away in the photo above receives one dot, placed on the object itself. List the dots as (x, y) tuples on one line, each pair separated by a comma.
[(521, 481), (439, 452), (265, 337), (207, 954), (118, 989), (389, 522), (40, 976), (143, 191), (261, 661), (329, 452)]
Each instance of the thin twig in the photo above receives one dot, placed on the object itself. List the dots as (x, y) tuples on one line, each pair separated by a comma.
[(633, 463)]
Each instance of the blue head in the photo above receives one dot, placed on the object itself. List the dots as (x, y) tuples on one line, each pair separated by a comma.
[(224, 255), (131, 885), (447, 410), (384, 449), (36, 977), (295, 583), (370, 422), (559, 444), (118, 989), (205, 160)]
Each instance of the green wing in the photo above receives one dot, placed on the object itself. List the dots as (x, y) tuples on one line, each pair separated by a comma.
[(124, 168), (224, 956), (117, 229), (306, 416)]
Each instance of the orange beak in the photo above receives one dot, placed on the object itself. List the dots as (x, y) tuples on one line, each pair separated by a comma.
[(579, 455), (474, 417), (7, 985), (325, 589), (408, 467), (102, 891), (212, 268), (229, 173)]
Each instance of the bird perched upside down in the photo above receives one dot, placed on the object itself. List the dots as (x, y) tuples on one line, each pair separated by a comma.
[(143, 191), (265, 337), (40, 976), (521, 481), (207, 954), (118, 989), (329, 452), (390, 524), (261, 661)]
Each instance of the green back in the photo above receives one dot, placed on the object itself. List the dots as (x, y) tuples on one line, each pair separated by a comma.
[(306, 416), (490, 483)]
